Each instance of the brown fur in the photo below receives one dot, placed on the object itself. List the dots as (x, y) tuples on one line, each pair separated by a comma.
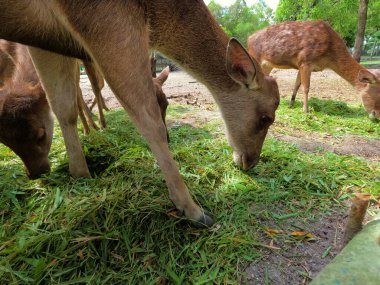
[(185, 31), (311, 46), (26, 124), (371, 92)]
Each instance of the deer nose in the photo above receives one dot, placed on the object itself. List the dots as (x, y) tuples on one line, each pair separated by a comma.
[(244, 161)]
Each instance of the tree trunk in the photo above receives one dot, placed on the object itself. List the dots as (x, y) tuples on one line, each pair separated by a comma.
[(362, 20), (153, 63)]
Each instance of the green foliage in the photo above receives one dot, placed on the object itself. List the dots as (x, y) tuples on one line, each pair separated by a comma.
[(118, 227), (342, 15), (240, 20)]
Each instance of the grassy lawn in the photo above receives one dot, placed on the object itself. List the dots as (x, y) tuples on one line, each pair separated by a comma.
[(119, 226), (370, 62), (326, 116)]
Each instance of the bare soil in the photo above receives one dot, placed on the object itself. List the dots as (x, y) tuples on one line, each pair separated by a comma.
[(184, 89), (298, 262), (293, 263)]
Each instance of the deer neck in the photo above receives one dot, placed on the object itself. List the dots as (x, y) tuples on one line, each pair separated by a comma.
[(348, 69), (195, 41)]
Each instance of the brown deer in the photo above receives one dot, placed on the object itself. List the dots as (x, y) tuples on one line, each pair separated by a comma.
[(311, 46), (185, 31), (371, 93), (26, 122)]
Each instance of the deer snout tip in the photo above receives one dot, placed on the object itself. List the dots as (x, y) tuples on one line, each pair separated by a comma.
[(244, 161), (372, 116)]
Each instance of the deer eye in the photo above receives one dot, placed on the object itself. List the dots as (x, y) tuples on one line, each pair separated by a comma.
[(266, 120)]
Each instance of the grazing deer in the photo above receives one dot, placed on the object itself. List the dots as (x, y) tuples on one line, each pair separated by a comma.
[(26, 123), (116, 36), (371, 93), (311, 46), (25, 116)]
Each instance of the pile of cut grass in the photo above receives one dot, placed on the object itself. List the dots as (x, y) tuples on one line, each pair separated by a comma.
[(118, 227)]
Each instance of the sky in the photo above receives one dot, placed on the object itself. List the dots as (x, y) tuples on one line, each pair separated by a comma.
[(271, 3)]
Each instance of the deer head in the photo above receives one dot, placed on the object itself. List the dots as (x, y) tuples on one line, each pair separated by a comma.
[(371, 92), (256, 98)]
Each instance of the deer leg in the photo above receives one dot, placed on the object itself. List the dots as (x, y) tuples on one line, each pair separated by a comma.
[(295, 90), (84, 111), (305, 74), (83, 108), (125, 65), (58, 76), (86, 128), (93, 103), (104, 103), (91, 73)]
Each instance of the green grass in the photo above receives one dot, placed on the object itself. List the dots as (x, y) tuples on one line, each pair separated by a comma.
[(370, 62), (117, 227), (326, 116)]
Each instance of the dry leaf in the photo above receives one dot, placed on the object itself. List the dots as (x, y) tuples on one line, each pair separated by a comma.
[(80, 254), (54, 261), (272, 232), (302, 234)]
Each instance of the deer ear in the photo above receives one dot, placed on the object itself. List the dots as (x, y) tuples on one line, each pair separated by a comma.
[(163, 75), (240, 66), (365, 76)]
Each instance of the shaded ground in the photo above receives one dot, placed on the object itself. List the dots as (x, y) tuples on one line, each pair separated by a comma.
[(297, 262), (294, 262)]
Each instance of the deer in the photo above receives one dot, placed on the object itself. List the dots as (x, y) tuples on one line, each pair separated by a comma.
[(26, 121), (26, 124), (116, 36), (312, 46)]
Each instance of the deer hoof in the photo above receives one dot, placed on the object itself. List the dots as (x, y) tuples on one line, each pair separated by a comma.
[(204, 221)]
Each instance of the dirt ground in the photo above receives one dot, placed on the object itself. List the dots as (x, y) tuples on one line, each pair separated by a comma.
[(182, 88), (294, 263)]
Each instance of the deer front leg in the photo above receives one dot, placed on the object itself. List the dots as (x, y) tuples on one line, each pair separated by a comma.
[(138, 98), (126, 68), (305, 73), (295, 90), (58, 76)]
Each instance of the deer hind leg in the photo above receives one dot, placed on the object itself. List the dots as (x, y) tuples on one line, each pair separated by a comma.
[(58, 76), (94, 79), (125, 65), (305, 74), (83, 110), (296, 88), (85, 113)]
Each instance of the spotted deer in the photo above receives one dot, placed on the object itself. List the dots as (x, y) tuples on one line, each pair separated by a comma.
[(116, 36), (313, 46)]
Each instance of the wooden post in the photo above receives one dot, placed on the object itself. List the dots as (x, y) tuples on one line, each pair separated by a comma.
[(356, 216)]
